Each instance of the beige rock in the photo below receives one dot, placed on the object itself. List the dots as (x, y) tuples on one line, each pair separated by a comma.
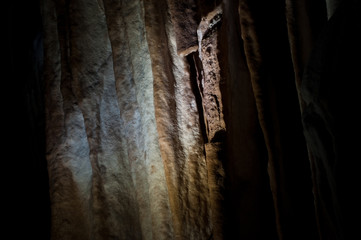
[(124, 140)]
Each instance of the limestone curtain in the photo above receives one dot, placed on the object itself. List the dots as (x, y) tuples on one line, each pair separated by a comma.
[(170, 119)]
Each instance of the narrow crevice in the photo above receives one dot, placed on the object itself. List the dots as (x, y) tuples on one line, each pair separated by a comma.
[(197, 90)]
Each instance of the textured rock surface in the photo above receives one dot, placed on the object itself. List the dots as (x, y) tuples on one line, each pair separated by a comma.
[(169, 119), (126, 159), (185, 19), (178, 126), (89, 168), (210, 75)]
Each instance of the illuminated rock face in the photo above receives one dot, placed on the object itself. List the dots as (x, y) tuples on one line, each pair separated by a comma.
[(125, 150), (172, 119)]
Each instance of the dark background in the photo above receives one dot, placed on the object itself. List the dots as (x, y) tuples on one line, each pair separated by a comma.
[(24, 169)]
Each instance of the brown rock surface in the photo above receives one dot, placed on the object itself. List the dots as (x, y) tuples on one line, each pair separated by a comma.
[(169, 119)]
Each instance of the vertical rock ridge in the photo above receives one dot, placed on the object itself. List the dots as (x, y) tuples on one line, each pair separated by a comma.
[(135, 96), (332, 6), (89, 80), (163, 99), (254, 62), (303, 28), (249, 209), (208, 82), (216, 178), (296, 16), (208, 50), (92, 71), (185, 19), (129, 108), (180, 137), (269, 82)]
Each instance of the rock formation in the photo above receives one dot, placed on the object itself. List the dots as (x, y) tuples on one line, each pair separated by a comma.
[(197, 119)]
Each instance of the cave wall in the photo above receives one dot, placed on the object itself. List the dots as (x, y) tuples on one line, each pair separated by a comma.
[(188, 119), (124, 147)]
